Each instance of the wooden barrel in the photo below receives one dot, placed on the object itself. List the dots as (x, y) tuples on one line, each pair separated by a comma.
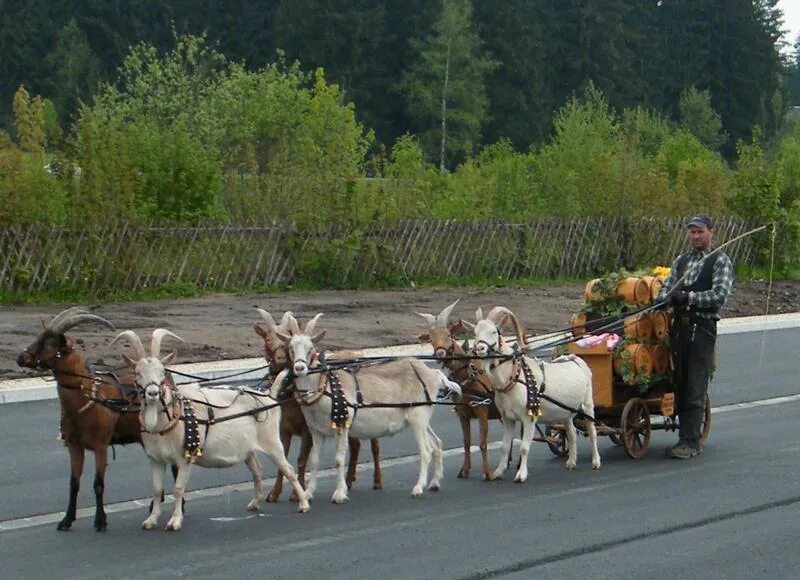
[(578, 323), (654, 284), (640, 360), (589, 293), (638, 326), (661, 358), (660, 322), (634, 291)]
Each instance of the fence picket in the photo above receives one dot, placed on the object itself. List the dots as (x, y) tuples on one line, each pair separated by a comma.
[(129, 257)]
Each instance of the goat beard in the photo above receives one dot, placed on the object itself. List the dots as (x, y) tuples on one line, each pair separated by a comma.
[(150, 413)]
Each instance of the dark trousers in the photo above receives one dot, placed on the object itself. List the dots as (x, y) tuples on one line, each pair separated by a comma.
[(693, 341)]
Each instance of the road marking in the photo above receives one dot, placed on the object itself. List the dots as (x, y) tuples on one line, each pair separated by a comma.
[(45, 519), (758, 403)]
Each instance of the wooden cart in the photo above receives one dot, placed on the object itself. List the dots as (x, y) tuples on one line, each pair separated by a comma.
[(622, 414)]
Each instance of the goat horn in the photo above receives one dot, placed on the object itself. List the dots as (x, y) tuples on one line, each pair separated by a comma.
[(292, 325), (135, 341), (64, 314), (287, 316), (444, 315), (267, 317), (311, 324), (65, 324), (429, 317), (496, 316), (158, 336)]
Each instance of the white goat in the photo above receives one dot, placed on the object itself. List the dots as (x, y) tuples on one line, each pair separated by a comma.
[(407, 386), (568, 380), (222, 443)]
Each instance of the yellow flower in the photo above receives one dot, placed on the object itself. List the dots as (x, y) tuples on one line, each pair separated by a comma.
[(661, 271)]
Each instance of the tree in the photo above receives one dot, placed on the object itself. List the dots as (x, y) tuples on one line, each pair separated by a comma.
[(699, 118), (74, 70), (29, 123), (445, 86)]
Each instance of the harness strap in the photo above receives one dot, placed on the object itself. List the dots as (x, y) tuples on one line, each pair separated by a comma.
[(340, 418), (191, 436)]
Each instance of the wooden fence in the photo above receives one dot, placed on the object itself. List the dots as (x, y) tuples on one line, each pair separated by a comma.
[(123, 257)]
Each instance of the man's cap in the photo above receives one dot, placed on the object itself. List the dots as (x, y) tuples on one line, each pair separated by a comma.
[(701, 220)]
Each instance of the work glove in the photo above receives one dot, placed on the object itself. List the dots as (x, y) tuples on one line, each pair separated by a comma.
[(680, 298)]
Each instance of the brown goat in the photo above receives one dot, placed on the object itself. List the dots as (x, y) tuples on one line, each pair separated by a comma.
[(93, 407), (475, 384), (293, 424)]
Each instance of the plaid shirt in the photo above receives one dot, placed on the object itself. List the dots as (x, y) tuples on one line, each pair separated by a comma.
[(721, 282)]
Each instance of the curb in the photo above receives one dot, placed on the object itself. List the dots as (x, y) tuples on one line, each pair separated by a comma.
[(38, 388)]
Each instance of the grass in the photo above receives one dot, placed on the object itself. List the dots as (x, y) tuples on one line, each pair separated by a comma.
[(175, 290)]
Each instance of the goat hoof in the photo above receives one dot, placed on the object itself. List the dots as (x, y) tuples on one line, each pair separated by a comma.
[(416, 492), (101, 527), (340, 499), (463, 473), (148, 525), (377, 485), (173, 527), (64, 526), (253, 506), (303, 508), (571, 466), (596, 465), (435, 486), (520, 479), (273, 498)]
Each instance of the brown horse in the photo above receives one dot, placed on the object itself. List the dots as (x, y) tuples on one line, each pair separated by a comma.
[(96, 409), (293, 424)]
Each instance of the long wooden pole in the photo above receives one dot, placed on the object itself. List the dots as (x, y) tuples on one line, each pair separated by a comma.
[(678, 283)]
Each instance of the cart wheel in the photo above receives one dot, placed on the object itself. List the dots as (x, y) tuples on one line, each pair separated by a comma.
[(635, 428), (557, 441), (706, 426)]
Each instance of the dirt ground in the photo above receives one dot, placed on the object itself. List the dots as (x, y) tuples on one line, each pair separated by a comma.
[(220, 327)]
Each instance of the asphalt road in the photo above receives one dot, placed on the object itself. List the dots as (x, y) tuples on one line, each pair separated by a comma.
[(730, 513)]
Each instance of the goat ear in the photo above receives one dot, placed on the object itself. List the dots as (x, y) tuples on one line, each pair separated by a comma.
[(424, 337), (456, 327), (165, 359), (468, 324), (318, 338), (285, 338), (129, 361), (260, 331), (479, 314)]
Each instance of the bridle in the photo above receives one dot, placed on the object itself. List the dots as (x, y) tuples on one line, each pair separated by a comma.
[(175, 403), (308, 397), (50, 364)]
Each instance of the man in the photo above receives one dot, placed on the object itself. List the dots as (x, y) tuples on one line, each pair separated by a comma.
[(697, 287)]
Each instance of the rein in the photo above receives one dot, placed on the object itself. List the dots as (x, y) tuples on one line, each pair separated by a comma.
[(119, 405)]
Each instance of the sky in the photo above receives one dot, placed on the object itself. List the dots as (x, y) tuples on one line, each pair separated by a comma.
[(791, 20)]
